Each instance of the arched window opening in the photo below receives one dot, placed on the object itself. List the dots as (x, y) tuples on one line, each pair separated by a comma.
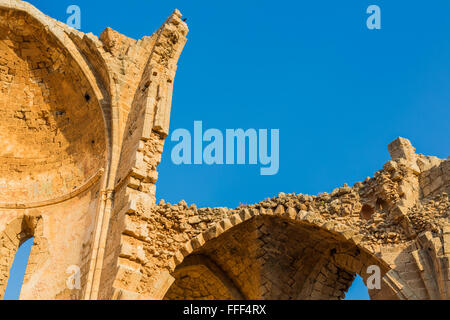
[(358, 290), (17, 271)]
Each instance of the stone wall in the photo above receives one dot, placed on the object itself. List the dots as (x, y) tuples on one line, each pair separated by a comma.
[(293, 246), (84, 120)]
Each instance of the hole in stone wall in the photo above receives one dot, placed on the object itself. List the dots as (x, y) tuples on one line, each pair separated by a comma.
[(17, 271), (87, 97), (367, 212)]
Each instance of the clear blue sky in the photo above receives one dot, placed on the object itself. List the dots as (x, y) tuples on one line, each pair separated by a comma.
[(338, 92)]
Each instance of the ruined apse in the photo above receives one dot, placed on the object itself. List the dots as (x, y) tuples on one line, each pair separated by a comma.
[(83, 122)]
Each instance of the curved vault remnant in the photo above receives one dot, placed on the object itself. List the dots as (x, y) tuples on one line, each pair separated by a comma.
[(85, 120)]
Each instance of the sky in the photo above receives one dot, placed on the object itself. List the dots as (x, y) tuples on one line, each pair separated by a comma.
[(17, 271), (338, 92)]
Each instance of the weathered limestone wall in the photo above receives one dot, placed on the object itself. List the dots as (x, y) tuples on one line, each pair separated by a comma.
[(143, 140), (53, 155), (397, 220), (84, 121)]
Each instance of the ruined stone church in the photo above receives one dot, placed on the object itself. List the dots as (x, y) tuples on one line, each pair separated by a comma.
[(83, 122)]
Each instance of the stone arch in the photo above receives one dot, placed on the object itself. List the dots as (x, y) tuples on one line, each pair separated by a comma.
[(65, 111), (284, 255), (55, 128)]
